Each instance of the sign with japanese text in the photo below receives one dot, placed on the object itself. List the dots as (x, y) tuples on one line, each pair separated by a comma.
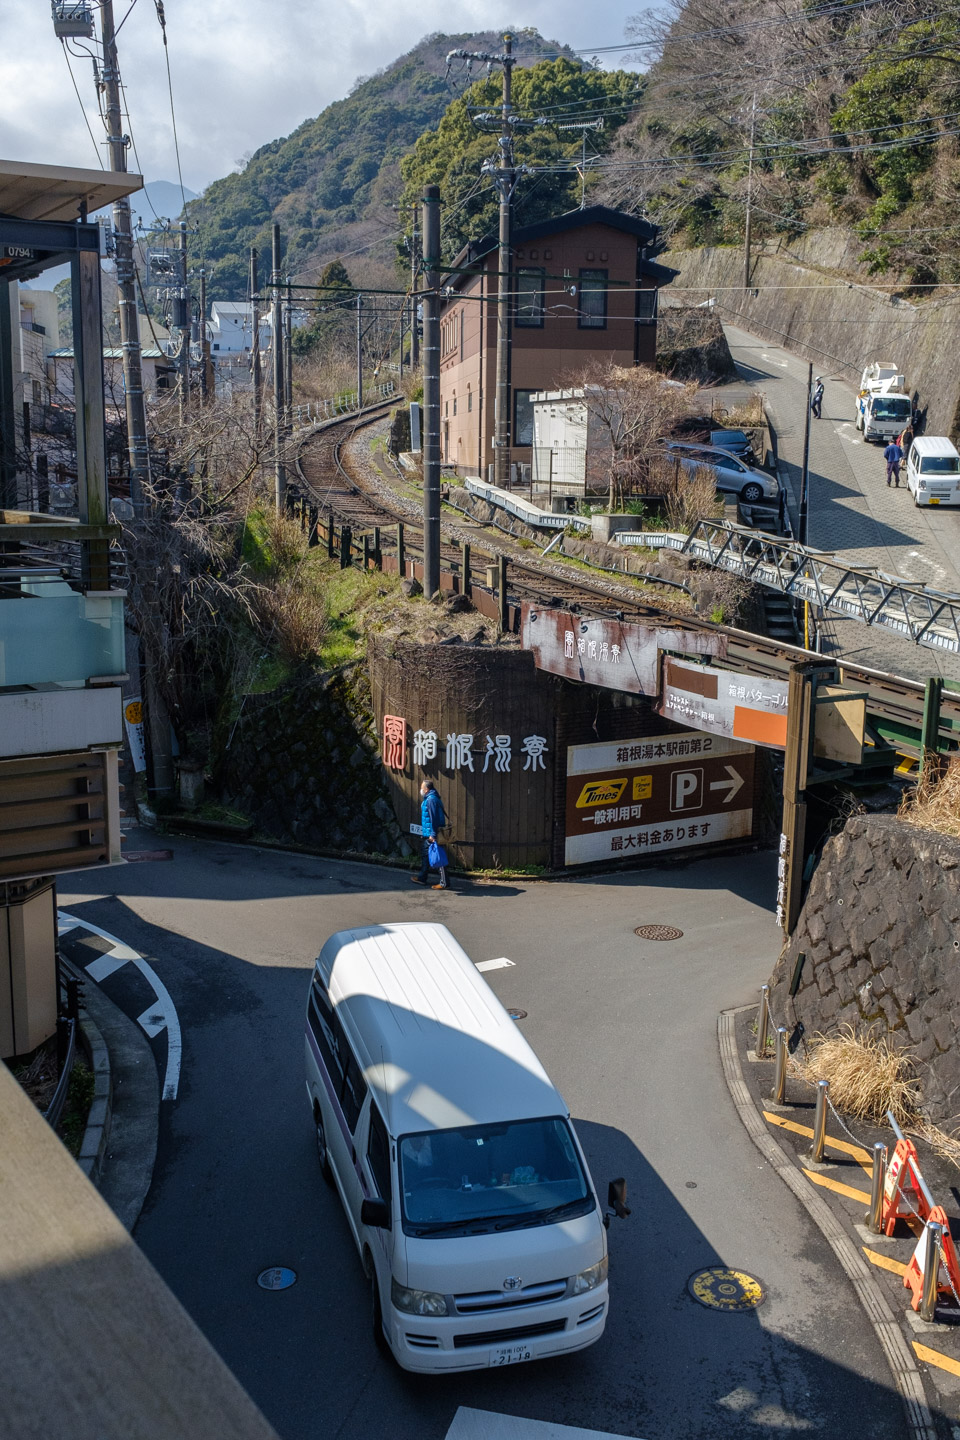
[(611, 653), (394, 742), (739, 707), (479, 754), (658, 793)]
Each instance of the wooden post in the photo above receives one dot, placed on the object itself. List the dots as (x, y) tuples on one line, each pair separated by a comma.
[(465, 569), (929, 734), (346, 545), (377, 553), (401, 555), (502, 588), (331, 546), (366, 552)]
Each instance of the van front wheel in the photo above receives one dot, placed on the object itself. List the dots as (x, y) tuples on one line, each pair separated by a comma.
[(322, 1155)]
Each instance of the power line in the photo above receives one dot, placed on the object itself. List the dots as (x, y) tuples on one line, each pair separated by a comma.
[(173, 115), (66, 56)]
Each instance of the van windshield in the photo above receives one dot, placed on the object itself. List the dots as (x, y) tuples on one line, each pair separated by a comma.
[(891, 409), (940, 465), (491, 1177)]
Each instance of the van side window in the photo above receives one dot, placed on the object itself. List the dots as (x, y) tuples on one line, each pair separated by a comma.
[(354, 1088), (320, 1019), (378, 1154)]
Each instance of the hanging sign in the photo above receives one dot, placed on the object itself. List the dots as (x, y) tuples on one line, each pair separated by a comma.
[(133, 723), (723, 702), (611, 653)]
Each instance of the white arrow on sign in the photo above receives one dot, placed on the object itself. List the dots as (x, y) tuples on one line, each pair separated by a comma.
[(733, 785)]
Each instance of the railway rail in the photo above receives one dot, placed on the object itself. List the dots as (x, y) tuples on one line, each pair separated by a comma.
[(903, 714)]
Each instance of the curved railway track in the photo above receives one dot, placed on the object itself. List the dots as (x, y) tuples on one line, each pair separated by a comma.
[(340, 492)]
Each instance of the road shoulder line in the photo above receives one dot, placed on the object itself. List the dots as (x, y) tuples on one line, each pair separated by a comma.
[(903, 1368)]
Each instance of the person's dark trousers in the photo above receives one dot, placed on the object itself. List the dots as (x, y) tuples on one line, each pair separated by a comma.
[(425, 866)]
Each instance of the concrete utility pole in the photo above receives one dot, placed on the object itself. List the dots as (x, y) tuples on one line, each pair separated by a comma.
[(279, 469), (204, 342), (505, 175), (431, 391), (181, 319), (359, 353), (255, 345), (748, 224), (136, 414), (288, 355), (414, 282)]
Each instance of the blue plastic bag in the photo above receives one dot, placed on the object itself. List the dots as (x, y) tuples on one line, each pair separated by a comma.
[(437, 855)]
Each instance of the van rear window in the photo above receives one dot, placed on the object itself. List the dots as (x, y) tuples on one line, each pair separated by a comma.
[(485, 1178)]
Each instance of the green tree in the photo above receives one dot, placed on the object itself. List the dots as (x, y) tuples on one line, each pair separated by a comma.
[(330, 320)]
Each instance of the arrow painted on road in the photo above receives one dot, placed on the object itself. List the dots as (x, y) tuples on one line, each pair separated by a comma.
[(733, 785)]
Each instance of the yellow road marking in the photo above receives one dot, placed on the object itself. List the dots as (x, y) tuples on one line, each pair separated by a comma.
[(933, 1357), (837, 1186), (863, 1157), (885, 1262)]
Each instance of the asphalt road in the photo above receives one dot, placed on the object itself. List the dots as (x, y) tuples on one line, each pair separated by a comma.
[(851, 510), (627, 1030)]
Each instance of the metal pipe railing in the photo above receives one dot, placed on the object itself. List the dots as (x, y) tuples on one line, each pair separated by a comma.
[(918, 1178)]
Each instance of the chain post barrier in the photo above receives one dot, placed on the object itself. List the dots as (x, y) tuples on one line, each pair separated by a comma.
[(820, 1122), (874, 1216), (763, 1023), (780, 1078), (931, 1270)]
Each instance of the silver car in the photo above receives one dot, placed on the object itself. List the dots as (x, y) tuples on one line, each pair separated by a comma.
[(730, 474)]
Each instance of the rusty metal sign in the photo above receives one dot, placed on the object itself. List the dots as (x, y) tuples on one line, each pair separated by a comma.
[(612, 653), (739, 707), (672, 791)]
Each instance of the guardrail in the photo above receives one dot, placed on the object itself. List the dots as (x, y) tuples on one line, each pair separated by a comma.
[(315, 412), (523, 509)]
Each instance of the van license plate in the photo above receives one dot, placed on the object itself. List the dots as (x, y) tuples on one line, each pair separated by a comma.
[(510, 1354), (934, 500)]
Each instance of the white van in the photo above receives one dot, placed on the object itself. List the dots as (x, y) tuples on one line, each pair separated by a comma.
[(933, 471), (462, 1178)]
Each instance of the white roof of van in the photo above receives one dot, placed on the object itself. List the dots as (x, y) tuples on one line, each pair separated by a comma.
[(934, 445), (438, 1049)]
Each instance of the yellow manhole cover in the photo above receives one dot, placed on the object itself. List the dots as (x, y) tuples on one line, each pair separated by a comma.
[(722, 1289)]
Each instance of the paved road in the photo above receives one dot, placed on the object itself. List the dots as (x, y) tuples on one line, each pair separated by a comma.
[(851, 510), (626, 1028)]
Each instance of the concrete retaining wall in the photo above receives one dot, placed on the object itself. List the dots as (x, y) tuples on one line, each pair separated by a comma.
[(813, 296), (880, 928)]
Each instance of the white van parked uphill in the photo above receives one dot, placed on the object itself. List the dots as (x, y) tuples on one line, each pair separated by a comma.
[(933, 471), (462, 1178)]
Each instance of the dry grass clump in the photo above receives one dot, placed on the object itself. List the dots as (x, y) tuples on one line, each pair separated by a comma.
[(934, 803), (867, 1075), (747, 414)]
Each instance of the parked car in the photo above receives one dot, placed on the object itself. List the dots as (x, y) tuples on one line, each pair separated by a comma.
[(933, 471), (731, 475), (737, 442)]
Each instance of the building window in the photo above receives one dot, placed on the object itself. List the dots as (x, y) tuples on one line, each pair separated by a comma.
[(647, 307), (593, 300), (216, 347), (529, 297), (523, 417), (454, 404), (469, 401)]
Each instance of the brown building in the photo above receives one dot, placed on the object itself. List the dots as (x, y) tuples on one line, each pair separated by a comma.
[(585, 290)]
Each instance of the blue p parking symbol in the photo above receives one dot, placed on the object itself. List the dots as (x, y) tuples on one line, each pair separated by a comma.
[(686, 790)]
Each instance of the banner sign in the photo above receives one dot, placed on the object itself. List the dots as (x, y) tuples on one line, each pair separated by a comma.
[(133, 721), (611, 653), (739, 707), (657, 793)]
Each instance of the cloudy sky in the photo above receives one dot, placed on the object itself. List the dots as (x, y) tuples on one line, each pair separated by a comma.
[(244, 71)]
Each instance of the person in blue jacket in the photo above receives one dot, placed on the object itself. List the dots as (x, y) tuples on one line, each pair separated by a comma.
[(432, 821)]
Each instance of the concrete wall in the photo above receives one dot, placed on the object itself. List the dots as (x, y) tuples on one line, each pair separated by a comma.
[(814, 297), (880, 928)]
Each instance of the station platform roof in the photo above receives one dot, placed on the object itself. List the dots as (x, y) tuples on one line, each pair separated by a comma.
[(55, 192)]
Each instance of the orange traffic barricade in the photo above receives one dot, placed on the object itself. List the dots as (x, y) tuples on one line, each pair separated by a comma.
[(948, 1277), (904, 1193)]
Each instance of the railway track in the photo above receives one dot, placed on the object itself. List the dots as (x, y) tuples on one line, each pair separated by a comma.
[(895, 704)]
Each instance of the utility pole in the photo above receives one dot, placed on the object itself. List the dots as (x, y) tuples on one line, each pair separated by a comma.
[(359, 354), (279, 469), (805, 473), (288, 355), (748, 226), (414, 282), (136, 415), (255, 345), (204, 342), (181, 319), (431, 391), (583, 126)]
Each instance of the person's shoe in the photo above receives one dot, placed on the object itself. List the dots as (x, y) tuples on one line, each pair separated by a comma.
[(415, 880), (441, 886)]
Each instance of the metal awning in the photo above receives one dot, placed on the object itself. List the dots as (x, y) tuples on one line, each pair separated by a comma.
[(55, 192)]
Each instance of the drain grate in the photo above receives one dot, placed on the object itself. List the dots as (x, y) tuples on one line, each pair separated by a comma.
[(658, 932)]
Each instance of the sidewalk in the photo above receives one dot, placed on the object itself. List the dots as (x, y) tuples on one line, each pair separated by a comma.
[(925, 1358)]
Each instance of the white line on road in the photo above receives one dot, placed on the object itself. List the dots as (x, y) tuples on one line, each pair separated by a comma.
[(162, 1016), (502, 964), (471, 1424)]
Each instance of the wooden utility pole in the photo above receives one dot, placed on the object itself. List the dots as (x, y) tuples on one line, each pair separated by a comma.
[(414, 286), (136, 415), (255, 345), (431, 391), (279, 468)]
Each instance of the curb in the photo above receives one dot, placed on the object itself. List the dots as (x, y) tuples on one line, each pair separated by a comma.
[(97, 1133), (906, 1376)]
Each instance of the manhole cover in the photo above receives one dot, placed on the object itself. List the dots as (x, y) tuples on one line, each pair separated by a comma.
[(721, 1289), (278, 1277), (517, 1014), (658, 932)]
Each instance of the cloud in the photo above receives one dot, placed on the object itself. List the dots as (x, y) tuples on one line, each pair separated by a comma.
[(244, 71)]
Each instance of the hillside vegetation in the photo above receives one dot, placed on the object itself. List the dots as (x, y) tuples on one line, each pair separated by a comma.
[(853, 109)]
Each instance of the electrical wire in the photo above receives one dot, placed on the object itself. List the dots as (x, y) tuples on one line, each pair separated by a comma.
[(173, 114), (96, 148)]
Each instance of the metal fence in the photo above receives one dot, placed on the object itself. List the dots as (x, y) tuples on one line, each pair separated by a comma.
[(316, 411)]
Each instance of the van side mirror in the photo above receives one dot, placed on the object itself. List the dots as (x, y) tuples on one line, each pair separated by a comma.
[(375, 1213), (617, 1198)]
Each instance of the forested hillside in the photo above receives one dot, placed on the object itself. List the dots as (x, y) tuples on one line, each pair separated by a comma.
[(333, 183), (853, 108)]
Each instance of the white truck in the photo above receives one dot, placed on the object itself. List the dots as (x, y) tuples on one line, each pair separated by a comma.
[(883, 406)]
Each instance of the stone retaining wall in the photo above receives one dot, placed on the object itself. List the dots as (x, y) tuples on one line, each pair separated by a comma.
[(880, 928)]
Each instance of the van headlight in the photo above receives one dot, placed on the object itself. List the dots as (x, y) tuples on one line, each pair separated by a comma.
[(590, 1279), (923, 484), (418, 1302)]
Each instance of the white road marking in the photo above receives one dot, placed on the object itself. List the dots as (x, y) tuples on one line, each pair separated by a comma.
[(502, 964), (471, 1424), (162, 1016)]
